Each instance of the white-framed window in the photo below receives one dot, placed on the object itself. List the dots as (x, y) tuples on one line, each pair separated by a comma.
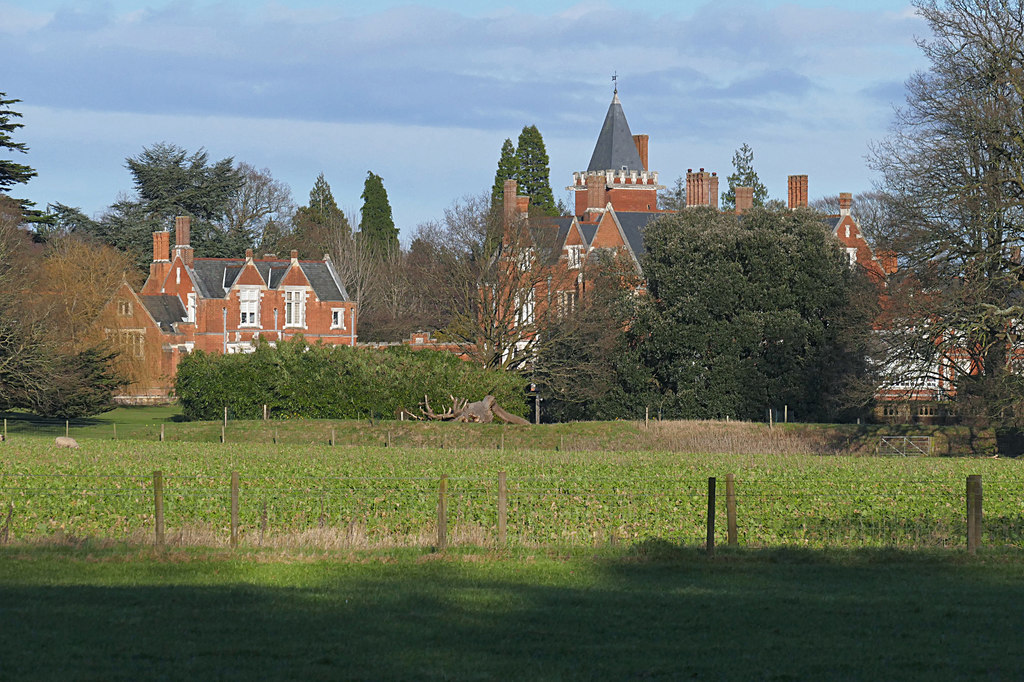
[(524, 259), (566, 302), (524, 302), (338, 318), (249, 306), (294, 307), (575, 256), (851, 253), (124, 307), (190, 308)]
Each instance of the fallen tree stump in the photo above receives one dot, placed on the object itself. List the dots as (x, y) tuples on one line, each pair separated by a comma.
[(482, 411)]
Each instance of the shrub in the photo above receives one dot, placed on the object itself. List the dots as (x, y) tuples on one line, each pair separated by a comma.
[(295, 379)]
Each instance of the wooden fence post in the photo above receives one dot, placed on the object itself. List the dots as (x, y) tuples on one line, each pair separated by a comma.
[(225, 415), (730, 507), (67, 429), (710, 544), (442, 513), (502, 435), (223, 435), (115, 430), (161, 433), (158, 503), (502, 508), (332, 437), (234, 509), (264, 413), (974, 514)]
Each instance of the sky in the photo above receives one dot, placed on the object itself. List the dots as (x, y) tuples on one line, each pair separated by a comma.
[(424, 93)]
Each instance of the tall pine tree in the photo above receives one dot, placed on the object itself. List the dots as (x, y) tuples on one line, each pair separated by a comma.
[(318, 226), (744, 175), (376, 226), (534, 175), (508, 169)]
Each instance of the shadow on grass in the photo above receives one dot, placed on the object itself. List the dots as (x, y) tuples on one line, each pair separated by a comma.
[(655, 610)]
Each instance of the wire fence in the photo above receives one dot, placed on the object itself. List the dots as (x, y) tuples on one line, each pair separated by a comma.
[(431, 510)]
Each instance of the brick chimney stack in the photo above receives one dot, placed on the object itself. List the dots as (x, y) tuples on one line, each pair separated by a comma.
[(845, 203), (508, 198), (162, 246), (744, 199), (597, 192), (797, 191), (641, 142), (713, 190), (182, 228)]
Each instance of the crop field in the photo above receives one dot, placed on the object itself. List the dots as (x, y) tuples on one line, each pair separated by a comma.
[(371, 497)]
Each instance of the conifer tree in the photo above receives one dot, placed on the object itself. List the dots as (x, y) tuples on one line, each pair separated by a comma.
[(11, 173), (744, 175), (318, 225), (376, 226), (534, 173), (508, 169)]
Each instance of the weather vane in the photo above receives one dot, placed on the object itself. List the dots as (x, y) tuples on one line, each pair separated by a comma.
[(615, 79)]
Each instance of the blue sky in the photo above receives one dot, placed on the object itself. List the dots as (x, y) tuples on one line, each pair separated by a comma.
[(424, 93)]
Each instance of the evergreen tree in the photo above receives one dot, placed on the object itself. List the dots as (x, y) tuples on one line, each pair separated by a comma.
[(376, 226), (11, 173), (744, 175), (534, 175), (508, 169), (318, 226)]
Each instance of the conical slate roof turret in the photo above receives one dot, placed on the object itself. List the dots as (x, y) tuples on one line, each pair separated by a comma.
[(615, 148)]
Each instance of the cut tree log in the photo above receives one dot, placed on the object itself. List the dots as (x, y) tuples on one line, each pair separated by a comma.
[(482, 411)]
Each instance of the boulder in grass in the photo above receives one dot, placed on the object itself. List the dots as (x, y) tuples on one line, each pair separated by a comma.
[(65, 442)]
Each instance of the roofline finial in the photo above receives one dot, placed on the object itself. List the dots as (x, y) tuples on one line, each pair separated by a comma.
[(615, 82)]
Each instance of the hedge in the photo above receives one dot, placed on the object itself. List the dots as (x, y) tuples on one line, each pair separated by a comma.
[(296, 380)]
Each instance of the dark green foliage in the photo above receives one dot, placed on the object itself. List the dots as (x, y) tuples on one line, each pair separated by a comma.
[(81, 385), (747, 314), (296, 380), (508, 169), (11, 173), (376, 225), (534, 175), (171, 182), (744, 175), (318, 227)]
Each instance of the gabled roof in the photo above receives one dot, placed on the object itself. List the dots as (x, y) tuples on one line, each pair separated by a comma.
[(215, 276), (615, 148), (588, 230), (164, 309), (633, 224)]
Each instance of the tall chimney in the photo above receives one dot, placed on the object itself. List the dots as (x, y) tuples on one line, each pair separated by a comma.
[(509, 201), (641, 142), (744, 199), (713, 190), (797, 191), (597, 192), (691, 187), (162, 246), (182, 226), (845, 203)]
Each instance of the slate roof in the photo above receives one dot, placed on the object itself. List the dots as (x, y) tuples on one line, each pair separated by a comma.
[(588, 230), (633, 224), (214, 276), (615, 148), (165, 309), (833, 221)]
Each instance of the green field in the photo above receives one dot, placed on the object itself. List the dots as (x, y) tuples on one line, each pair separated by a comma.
[(648, 612), (365, 497), (847, 567)]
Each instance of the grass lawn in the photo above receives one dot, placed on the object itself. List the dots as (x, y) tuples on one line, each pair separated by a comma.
[(654, 611)]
